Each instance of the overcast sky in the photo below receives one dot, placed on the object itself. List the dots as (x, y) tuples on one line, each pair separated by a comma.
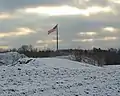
[(82, 23)]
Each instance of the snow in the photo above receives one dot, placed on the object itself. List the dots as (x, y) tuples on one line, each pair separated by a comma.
[(84, 59), (55, 62), (58, 77), (10, 57)]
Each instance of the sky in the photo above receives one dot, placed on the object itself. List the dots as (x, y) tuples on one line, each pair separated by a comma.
[(81, 23)]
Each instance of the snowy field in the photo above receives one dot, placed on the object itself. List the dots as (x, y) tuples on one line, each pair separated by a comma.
[(57, 77)]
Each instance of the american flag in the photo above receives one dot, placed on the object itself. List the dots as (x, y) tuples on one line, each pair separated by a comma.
[(53, 29)]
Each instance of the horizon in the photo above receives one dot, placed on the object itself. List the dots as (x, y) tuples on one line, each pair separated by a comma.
[(62, 49), (82, 23)]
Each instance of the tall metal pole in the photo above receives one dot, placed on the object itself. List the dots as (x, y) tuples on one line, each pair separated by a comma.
[(57, 37)]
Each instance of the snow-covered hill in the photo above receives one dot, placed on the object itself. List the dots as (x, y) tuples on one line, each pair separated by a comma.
[(10, 57), (83, 59), (58, 77)]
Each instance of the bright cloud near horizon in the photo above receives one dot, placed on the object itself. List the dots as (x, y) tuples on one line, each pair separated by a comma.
[(19, 32), (84, 23)]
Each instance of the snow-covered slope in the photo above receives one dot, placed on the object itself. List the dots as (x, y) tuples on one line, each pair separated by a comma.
[(10, 57), (84, 59), (58, 77), (65, 63)]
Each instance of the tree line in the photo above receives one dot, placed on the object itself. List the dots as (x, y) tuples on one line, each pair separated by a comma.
[(110, 56)]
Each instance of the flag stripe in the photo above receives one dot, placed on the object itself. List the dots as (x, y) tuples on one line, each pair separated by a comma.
[(50, 31), (53, 29)]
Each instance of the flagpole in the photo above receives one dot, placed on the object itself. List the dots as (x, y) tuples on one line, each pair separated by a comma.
[(57, 37)]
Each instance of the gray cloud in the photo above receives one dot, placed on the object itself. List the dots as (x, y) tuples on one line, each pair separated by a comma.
[(69, 26), (92, 2), (11, 5), (6, 5)]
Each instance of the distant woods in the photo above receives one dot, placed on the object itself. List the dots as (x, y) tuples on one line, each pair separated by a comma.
[(103, 57)]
